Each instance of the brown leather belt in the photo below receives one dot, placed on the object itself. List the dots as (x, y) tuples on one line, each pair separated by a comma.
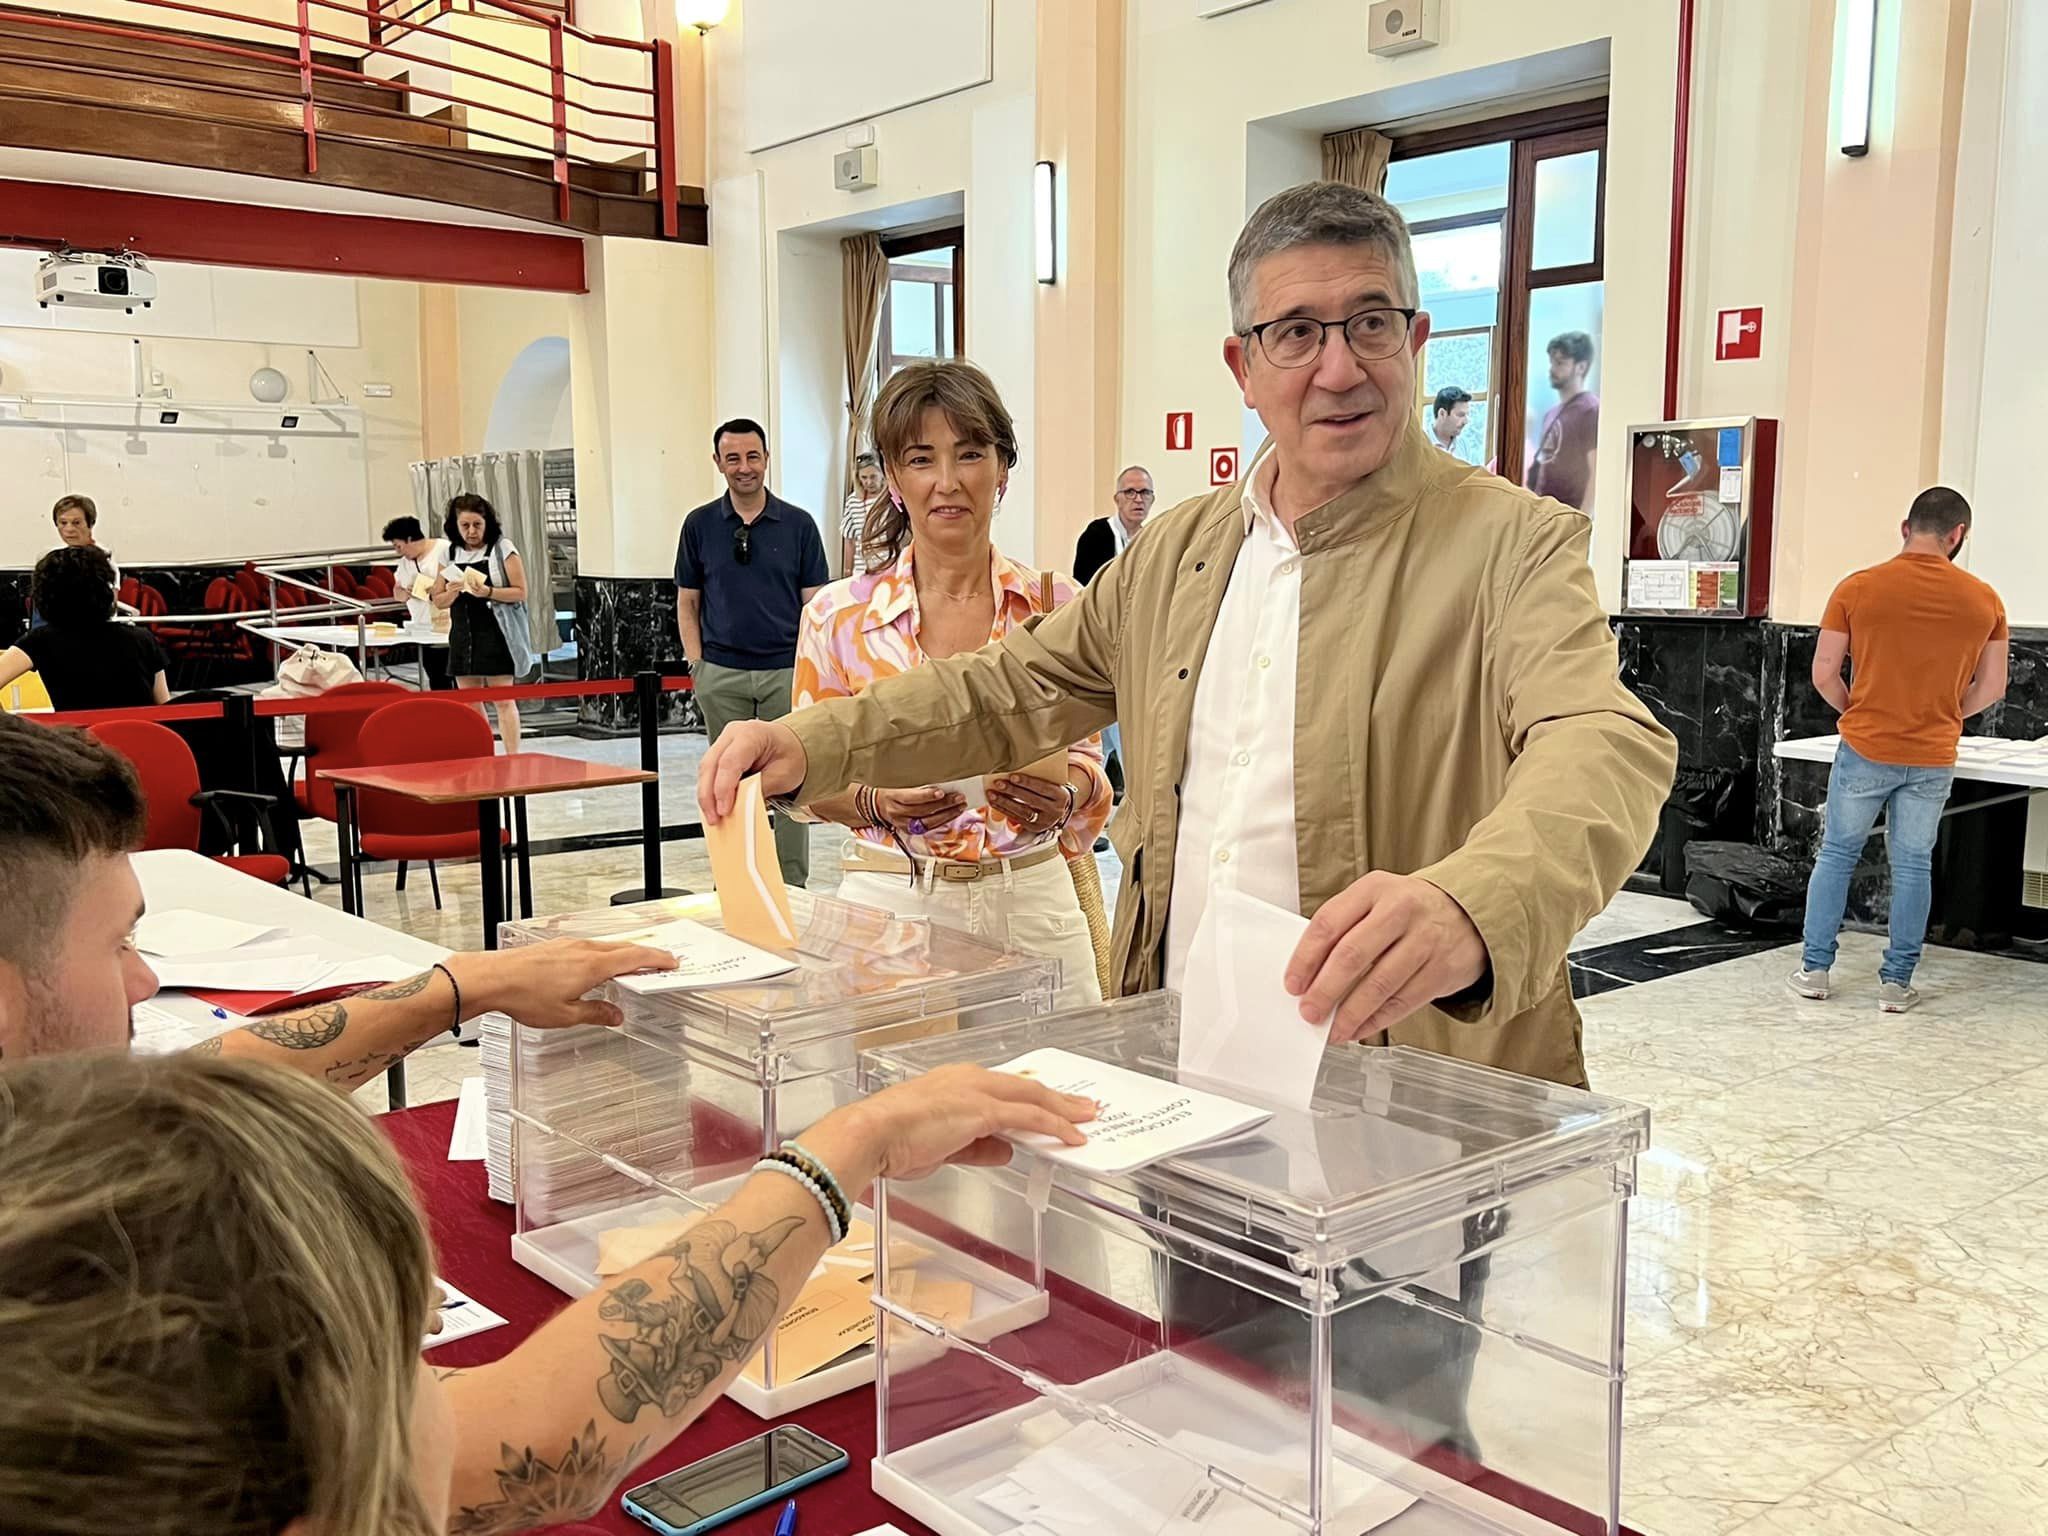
[(870, 860)]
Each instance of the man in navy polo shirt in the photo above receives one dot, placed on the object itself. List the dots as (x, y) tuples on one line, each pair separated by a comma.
[(745, 566)]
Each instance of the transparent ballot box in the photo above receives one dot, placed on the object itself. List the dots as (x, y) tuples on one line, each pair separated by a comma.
[(619, 1136), (1399, 1309)]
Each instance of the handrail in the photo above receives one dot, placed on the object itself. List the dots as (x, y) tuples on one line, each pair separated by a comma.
[(564, 127)]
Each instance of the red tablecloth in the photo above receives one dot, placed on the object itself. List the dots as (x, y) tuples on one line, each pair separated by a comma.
[(472, 1235)]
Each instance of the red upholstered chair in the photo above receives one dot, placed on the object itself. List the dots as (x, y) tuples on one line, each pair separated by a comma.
[(173, 800), (331, 741), (251, 586), (421, 729)]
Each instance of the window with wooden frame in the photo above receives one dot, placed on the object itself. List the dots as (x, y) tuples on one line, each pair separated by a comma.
[(923, 308), (1507, 218)]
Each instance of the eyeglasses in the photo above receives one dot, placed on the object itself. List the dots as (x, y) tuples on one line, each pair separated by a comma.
[(1140, 495), (743, 543), (1295, 341)]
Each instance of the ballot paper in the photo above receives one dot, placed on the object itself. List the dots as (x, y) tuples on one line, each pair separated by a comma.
[(182, 931), (157, 1031), (974, 791), (461, 1315), (466, 1145), (705, 957), (1238, 1025), (276, 965), (360, 971), (1092, 1478), (1142, 1119)]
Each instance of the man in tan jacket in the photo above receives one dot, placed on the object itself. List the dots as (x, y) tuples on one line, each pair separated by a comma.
[(1368, 683)]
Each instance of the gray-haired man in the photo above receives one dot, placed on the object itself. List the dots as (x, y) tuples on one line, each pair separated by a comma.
[(1369, 684)]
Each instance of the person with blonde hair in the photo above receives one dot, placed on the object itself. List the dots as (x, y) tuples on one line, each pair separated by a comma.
[(214, 1286), (937, 586)]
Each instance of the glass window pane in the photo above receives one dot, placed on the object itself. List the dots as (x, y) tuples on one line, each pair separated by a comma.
[(1567, 206), (1463, 362), (910, 320), (1458, 274), (1563, 422), (1457, 181), (946, 320)]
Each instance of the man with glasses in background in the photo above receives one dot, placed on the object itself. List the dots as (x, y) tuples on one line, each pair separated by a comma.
[(1101, 542), (746, 564)]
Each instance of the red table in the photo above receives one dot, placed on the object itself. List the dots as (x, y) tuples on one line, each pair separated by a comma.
[(472, 1236), (483, 781)]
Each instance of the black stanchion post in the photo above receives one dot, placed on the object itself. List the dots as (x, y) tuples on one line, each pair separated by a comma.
[(647, 696)]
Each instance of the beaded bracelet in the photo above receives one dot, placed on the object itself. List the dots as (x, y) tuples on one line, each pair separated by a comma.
[(812, 1164), (833, 1224)]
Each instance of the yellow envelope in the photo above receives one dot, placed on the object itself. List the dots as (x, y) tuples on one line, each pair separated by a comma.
[(1052, 768), (748, 876), (949, 1303), (423, 585), (831, 1316), (622, 1248)]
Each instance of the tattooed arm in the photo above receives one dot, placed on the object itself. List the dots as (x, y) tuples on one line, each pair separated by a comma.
[(351, 1040), (546, 1434)]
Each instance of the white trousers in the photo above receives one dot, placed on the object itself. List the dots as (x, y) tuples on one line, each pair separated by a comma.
[(1033, 910)]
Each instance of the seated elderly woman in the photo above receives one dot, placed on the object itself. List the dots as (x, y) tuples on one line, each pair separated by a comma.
[(213, 1287), (86, 657)]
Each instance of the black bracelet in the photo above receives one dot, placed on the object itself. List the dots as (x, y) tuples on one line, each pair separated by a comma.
[(456, 1027)]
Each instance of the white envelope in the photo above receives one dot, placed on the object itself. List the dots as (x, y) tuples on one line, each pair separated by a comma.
[(1238, 1025)]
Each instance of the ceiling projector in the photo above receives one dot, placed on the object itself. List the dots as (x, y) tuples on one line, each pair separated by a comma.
[(94, 281)]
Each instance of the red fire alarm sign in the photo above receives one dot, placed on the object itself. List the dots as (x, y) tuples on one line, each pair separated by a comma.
[(1739, 334), (1222, 466), (1180, 429)]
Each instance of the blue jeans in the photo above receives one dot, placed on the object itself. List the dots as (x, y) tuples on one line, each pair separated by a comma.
[(1912, 799)]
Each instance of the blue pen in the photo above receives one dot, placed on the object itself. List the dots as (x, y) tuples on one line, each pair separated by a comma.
[(219, 1013), (786, 1526)]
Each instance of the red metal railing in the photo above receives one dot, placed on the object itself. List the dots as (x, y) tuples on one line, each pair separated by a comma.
[(535, 91)]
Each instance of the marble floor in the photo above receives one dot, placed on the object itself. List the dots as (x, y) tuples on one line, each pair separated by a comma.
[(1838, 1263)]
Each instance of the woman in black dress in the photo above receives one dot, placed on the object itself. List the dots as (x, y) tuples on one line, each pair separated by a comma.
[(483, 568)]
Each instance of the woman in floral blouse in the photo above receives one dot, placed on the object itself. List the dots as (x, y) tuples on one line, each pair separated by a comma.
[(985, 855)]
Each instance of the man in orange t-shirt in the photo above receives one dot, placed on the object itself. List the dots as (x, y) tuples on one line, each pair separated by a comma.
[(1926, 643)]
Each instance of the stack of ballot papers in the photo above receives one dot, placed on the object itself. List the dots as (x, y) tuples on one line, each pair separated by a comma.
[(1092, 1479), (705, 957), (634, 1104), (494, 1053), (184, 931), (1142, 1119)]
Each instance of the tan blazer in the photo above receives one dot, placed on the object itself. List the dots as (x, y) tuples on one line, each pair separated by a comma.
[(1459, 716)]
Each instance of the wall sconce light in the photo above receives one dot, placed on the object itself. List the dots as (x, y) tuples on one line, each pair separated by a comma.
[(1859, 67), (701, 14), (1044, 208)]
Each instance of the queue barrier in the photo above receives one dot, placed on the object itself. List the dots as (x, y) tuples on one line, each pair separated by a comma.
[(244, 710)]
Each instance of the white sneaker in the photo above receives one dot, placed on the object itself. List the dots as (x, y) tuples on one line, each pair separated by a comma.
[(1894, 998), (1812, 985)]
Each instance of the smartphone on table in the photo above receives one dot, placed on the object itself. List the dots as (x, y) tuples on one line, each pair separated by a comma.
[(733, 1482)]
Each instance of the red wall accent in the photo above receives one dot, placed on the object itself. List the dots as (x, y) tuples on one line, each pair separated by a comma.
[(287, 239)]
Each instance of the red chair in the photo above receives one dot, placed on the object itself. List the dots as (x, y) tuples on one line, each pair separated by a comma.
[(421, 730), (173, 800), (250, 585), (331, 742), (379, 583)]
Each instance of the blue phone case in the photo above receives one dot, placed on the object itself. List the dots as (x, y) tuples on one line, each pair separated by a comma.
[(711, 1522)]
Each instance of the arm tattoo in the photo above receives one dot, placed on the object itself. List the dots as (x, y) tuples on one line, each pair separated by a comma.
[(210, 1046), (534, 1492), (718, 1307), (360, 1069), (397, 989), (306, 1030)]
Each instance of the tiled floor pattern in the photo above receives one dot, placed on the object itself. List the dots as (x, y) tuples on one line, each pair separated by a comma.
[(1838, 1262)]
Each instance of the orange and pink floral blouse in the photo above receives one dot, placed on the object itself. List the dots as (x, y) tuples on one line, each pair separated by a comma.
[(859, 630)]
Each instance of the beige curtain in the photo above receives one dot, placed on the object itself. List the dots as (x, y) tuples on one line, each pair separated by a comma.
[(1358, 158), (866, 272)]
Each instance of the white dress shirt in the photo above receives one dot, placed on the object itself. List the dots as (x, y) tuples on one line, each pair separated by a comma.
[(1237, 793), (419, 610), (1118, 532)]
